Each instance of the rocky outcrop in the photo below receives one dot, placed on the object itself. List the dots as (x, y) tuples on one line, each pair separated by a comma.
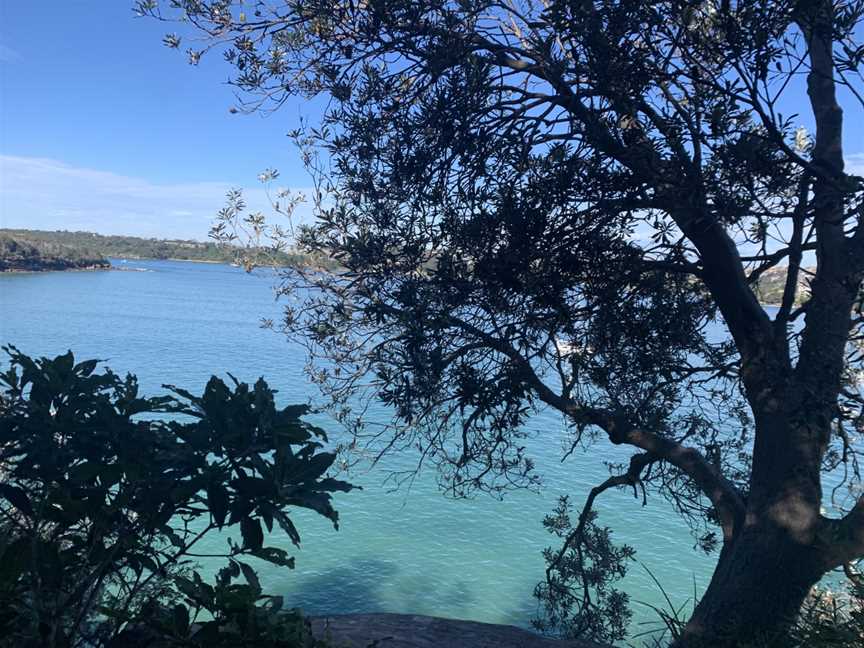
[(771, 284), (416, 631)]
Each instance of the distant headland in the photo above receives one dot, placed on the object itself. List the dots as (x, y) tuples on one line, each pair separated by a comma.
[(24, 250), (24, 255)]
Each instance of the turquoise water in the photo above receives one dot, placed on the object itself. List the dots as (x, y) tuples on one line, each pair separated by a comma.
[(408, 551)]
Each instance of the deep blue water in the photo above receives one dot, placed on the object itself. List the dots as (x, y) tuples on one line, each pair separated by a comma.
[(413, 551)]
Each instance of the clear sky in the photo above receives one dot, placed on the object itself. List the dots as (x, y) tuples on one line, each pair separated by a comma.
[(102, 128)]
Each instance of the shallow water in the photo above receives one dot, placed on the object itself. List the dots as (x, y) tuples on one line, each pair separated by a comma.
[(410, 552)]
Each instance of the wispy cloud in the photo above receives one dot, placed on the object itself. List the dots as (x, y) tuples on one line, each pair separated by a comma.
[(39, 193), (8, 55), (855, 164)]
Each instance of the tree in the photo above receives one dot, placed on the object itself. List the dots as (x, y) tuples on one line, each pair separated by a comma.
[(106, 496), (549, 204)]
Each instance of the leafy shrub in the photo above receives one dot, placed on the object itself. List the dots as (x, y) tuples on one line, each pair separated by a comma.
[(106, 495), (578, 596)]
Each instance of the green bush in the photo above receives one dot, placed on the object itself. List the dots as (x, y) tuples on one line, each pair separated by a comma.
[(105, 496)]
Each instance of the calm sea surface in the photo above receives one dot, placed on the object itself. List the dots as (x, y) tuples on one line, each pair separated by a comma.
[(413, 551)]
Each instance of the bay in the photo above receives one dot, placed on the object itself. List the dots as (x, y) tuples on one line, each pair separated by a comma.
[(410, 551)]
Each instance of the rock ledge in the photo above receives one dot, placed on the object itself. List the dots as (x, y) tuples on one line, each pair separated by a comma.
[(417, 631)]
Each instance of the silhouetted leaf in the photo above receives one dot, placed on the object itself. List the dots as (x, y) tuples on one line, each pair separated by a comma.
[(250, 576), (17, 497), (217, 502), (181, 620), (253, 535), (275, 555)]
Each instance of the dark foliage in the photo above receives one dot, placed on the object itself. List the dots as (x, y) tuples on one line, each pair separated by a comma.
[(106, 496), (593, 564)]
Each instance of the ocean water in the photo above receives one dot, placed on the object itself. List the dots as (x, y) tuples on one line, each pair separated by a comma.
[(409, 551)]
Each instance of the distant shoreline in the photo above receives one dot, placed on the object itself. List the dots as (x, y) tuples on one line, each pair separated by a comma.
[(89, 246), (109, 265), (141, 258), (118, 267), (208, 261), (44, 270)]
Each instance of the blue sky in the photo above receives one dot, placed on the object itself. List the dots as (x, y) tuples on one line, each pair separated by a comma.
[(102, 128)]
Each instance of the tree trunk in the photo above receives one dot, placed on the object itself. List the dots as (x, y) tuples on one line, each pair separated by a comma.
[(757, 589), (775, 556), (754, 596)]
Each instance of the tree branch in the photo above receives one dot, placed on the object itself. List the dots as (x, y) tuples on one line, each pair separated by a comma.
[(631, 477), (795, 255), (717, 488)]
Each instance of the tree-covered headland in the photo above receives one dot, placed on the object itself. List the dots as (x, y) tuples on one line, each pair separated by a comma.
[(20, 254), (555, 205)]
